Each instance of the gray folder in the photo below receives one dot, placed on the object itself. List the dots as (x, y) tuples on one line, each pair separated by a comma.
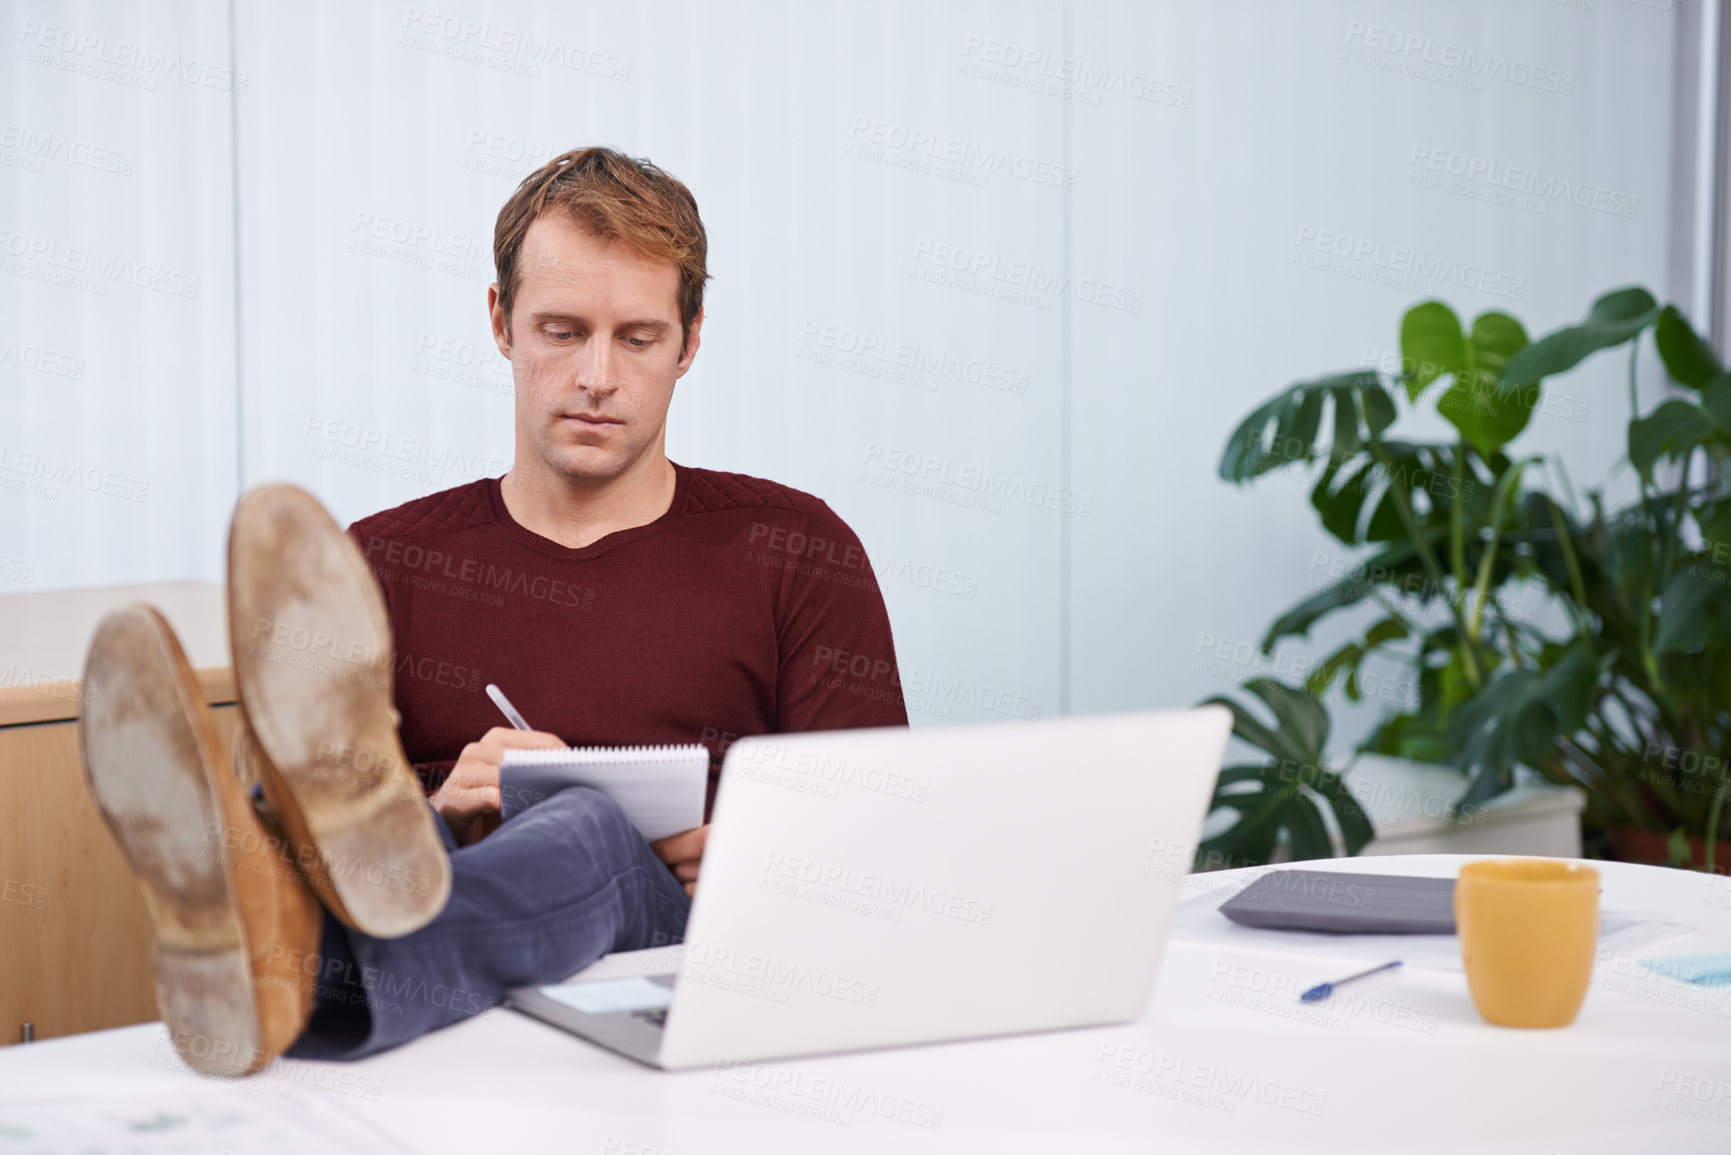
[(1317, 900)]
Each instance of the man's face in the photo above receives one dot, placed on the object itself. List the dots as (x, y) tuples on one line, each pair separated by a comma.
[(594, 346)]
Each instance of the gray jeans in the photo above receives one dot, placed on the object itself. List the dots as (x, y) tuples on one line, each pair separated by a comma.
[(554, 888)]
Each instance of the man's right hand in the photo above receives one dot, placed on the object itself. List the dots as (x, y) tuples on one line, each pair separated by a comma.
[(469, 798)]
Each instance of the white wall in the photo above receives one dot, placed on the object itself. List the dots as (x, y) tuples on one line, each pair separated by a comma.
[(1194, 148), (117, 426)]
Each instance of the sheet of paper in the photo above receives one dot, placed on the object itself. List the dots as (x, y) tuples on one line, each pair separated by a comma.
[(221, 1119), (1703, 969), (1200, 919), (662, 795)]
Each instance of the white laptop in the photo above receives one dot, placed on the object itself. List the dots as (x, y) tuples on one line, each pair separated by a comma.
[(876, 888)]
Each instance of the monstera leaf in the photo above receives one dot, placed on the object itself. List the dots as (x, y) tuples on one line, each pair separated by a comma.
[(1283, 431), (1696, 611), (1672, 430), (1282, 799), (1688, 359), (1399, 565), (1614, 318), (1518, 717), (1433, 346)]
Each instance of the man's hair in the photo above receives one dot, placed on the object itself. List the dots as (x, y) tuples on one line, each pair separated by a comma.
[(613, 197)]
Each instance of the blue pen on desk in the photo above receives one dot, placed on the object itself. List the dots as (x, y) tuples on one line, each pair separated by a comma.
[(505, 707), (1322, 990)]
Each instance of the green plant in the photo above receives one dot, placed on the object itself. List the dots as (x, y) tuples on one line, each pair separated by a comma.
[(1280, 802), (1463, 541)]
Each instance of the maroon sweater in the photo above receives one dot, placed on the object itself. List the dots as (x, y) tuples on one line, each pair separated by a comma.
[(747, 608)]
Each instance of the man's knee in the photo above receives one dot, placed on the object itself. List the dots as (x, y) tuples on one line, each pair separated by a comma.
[(590, 810)]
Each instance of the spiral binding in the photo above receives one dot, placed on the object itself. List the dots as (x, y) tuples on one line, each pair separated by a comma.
[(606, 755)]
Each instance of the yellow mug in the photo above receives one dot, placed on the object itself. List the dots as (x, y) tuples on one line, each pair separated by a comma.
[(1529, 928)]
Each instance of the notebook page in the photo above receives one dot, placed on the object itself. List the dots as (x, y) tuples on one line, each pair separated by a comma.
[(660, 788)]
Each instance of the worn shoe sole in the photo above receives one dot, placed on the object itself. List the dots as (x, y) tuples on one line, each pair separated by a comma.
[(312, 664), (235, 929)]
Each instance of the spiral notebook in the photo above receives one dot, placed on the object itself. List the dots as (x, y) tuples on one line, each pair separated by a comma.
[(660, 788)]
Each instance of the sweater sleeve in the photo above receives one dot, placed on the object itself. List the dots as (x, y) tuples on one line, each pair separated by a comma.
[(838, 659)]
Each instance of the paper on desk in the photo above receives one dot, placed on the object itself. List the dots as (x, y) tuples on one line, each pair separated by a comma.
[(1702, 969), (660, 788), (1199, 919), (215, 1121)]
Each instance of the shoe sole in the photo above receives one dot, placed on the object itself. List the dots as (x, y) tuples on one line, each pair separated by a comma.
[(312, 664), (152, 759)]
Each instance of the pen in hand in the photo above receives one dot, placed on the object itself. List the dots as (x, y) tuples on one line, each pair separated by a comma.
[(505, 707)]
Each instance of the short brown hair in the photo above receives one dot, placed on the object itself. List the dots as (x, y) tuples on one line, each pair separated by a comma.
[(612, 197)]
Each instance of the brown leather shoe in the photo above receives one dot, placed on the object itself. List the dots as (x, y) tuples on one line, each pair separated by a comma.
[(312, 664), (237, 931)]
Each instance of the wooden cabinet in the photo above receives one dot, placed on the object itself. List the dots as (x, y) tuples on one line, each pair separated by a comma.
[(74, 936)]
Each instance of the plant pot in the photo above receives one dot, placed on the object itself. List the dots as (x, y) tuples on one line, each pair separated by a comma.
[(1631, 844)]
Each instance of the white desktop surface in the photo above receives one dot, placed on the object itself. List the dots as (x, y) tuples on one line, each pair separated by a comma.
[(1404, 1065)]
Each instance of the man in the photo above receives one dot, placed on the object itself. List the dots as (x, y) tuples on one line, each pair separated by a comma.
[(617, 597)]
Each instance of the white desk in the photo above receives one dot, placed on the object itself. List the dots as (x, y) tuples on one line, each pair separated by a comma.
[(1406, 1067)]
